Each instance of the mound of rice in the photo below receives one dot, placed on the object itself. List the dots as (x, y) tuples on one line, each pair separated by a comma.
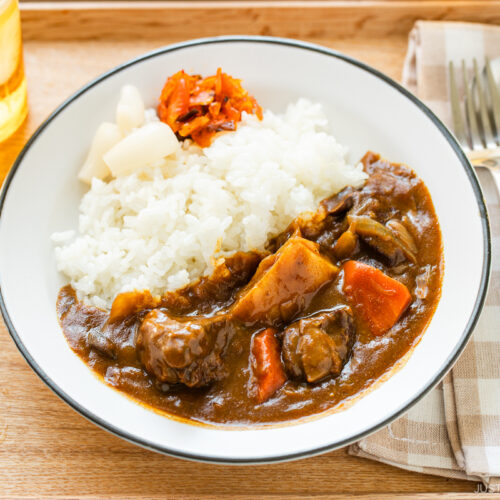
[(160, 229)]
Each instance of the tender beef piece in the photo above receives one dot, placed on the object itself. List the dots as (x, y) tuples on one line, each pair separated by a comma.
[(284, 284), (97, 340), (114, 340), (115, 337), (375, 213), (76, 317), (387, 186), (339, 203), (388, 193), (318, 346), (313, 226), (229, 275), (187, 351), (387, 181)]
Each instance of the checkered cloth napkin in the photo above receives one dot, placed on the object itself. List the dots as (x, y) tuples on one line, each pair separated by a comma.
[(455, 430)]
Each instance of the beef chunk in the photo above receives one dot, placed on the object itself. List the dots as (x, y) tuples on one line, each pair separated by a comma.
[(318, 346), (312, 226), (388, 181), (187, 351), (284, 283), (339, 203)]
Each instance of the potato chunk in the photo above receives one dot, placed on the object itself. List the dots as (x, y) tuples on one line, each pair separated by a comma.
[(284, 283)]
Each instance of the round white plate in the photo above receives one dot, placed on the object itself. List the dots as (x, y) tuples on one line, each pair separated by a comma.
[(367, 110)]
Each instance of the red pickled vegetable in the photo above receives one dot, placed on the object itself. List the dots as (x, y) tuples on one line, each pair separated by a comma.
[(199, 107)]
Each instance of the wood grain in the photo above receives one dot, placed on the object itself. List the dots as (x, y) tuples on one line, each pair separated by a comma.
[(315, 20), (46, 449)]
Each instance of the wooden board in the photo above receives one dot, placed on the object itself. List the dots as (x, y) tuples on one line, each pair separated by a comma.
[(307, 19), (46, 449)]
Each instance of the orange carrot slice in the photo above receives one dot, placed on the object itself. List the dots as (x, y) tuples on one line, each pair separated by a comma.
[(267, 368), (379, 299)]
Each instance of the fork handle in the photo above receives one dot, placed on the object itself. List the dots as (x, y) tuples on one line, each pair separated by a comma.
[(489, 159), (489, 163), (496, 177), (485, 157), (495, 173)]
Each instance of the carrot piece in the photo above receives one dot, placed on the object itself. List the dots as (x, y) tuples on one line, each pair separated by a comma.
[(379, 299), (267, 368)]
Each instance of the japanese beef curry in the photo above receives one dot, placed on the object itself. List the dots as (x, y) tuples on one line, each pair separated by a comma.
[(335, 301)]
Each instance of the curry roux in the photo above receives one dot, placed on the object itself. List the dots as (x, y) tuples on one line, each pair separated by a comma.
[(392, 192)]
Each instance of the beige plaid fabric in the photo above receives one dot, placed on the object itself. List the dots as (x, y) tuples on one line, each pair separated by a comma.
[(455, 430)]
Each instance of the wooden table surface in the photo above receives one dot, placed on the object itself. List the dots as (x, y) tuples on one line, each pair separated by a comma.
[(46, 449)]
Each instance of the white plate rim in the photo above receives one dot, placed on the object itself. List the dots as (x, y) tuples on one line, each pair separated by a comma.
[(478, 305)]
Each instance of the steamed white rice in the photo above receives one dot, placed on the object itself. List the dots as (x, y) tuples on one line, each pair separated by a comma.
[(160, 229)]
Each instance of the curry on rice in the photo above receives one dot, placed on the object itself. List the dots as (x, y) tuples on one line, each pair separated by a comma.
[(326, 308)]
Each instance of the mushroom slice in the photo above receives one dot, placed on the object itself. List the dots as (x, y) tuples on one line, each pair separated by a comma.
[(381, 238), (400, 231)]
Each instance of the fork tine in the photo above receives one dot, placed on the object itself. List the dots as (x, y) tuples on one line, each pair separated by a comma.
[(475, 138), (495, 98), (458, 121), (487, 135)]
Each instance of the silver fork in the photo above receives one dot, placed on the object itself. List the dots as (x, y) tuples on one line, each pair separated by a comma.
[(479, 132)]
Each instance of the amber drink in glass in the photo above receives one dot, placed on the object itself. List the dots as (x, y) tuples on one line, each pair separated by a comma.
[(13, 105)]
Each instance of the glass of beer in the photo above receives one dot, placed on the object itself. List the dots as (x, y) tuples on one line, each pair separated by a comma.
[(13, 100)]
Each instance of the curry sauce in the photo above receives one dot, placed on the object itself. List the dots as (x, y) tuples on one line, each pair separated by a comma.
[(189, 353)]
